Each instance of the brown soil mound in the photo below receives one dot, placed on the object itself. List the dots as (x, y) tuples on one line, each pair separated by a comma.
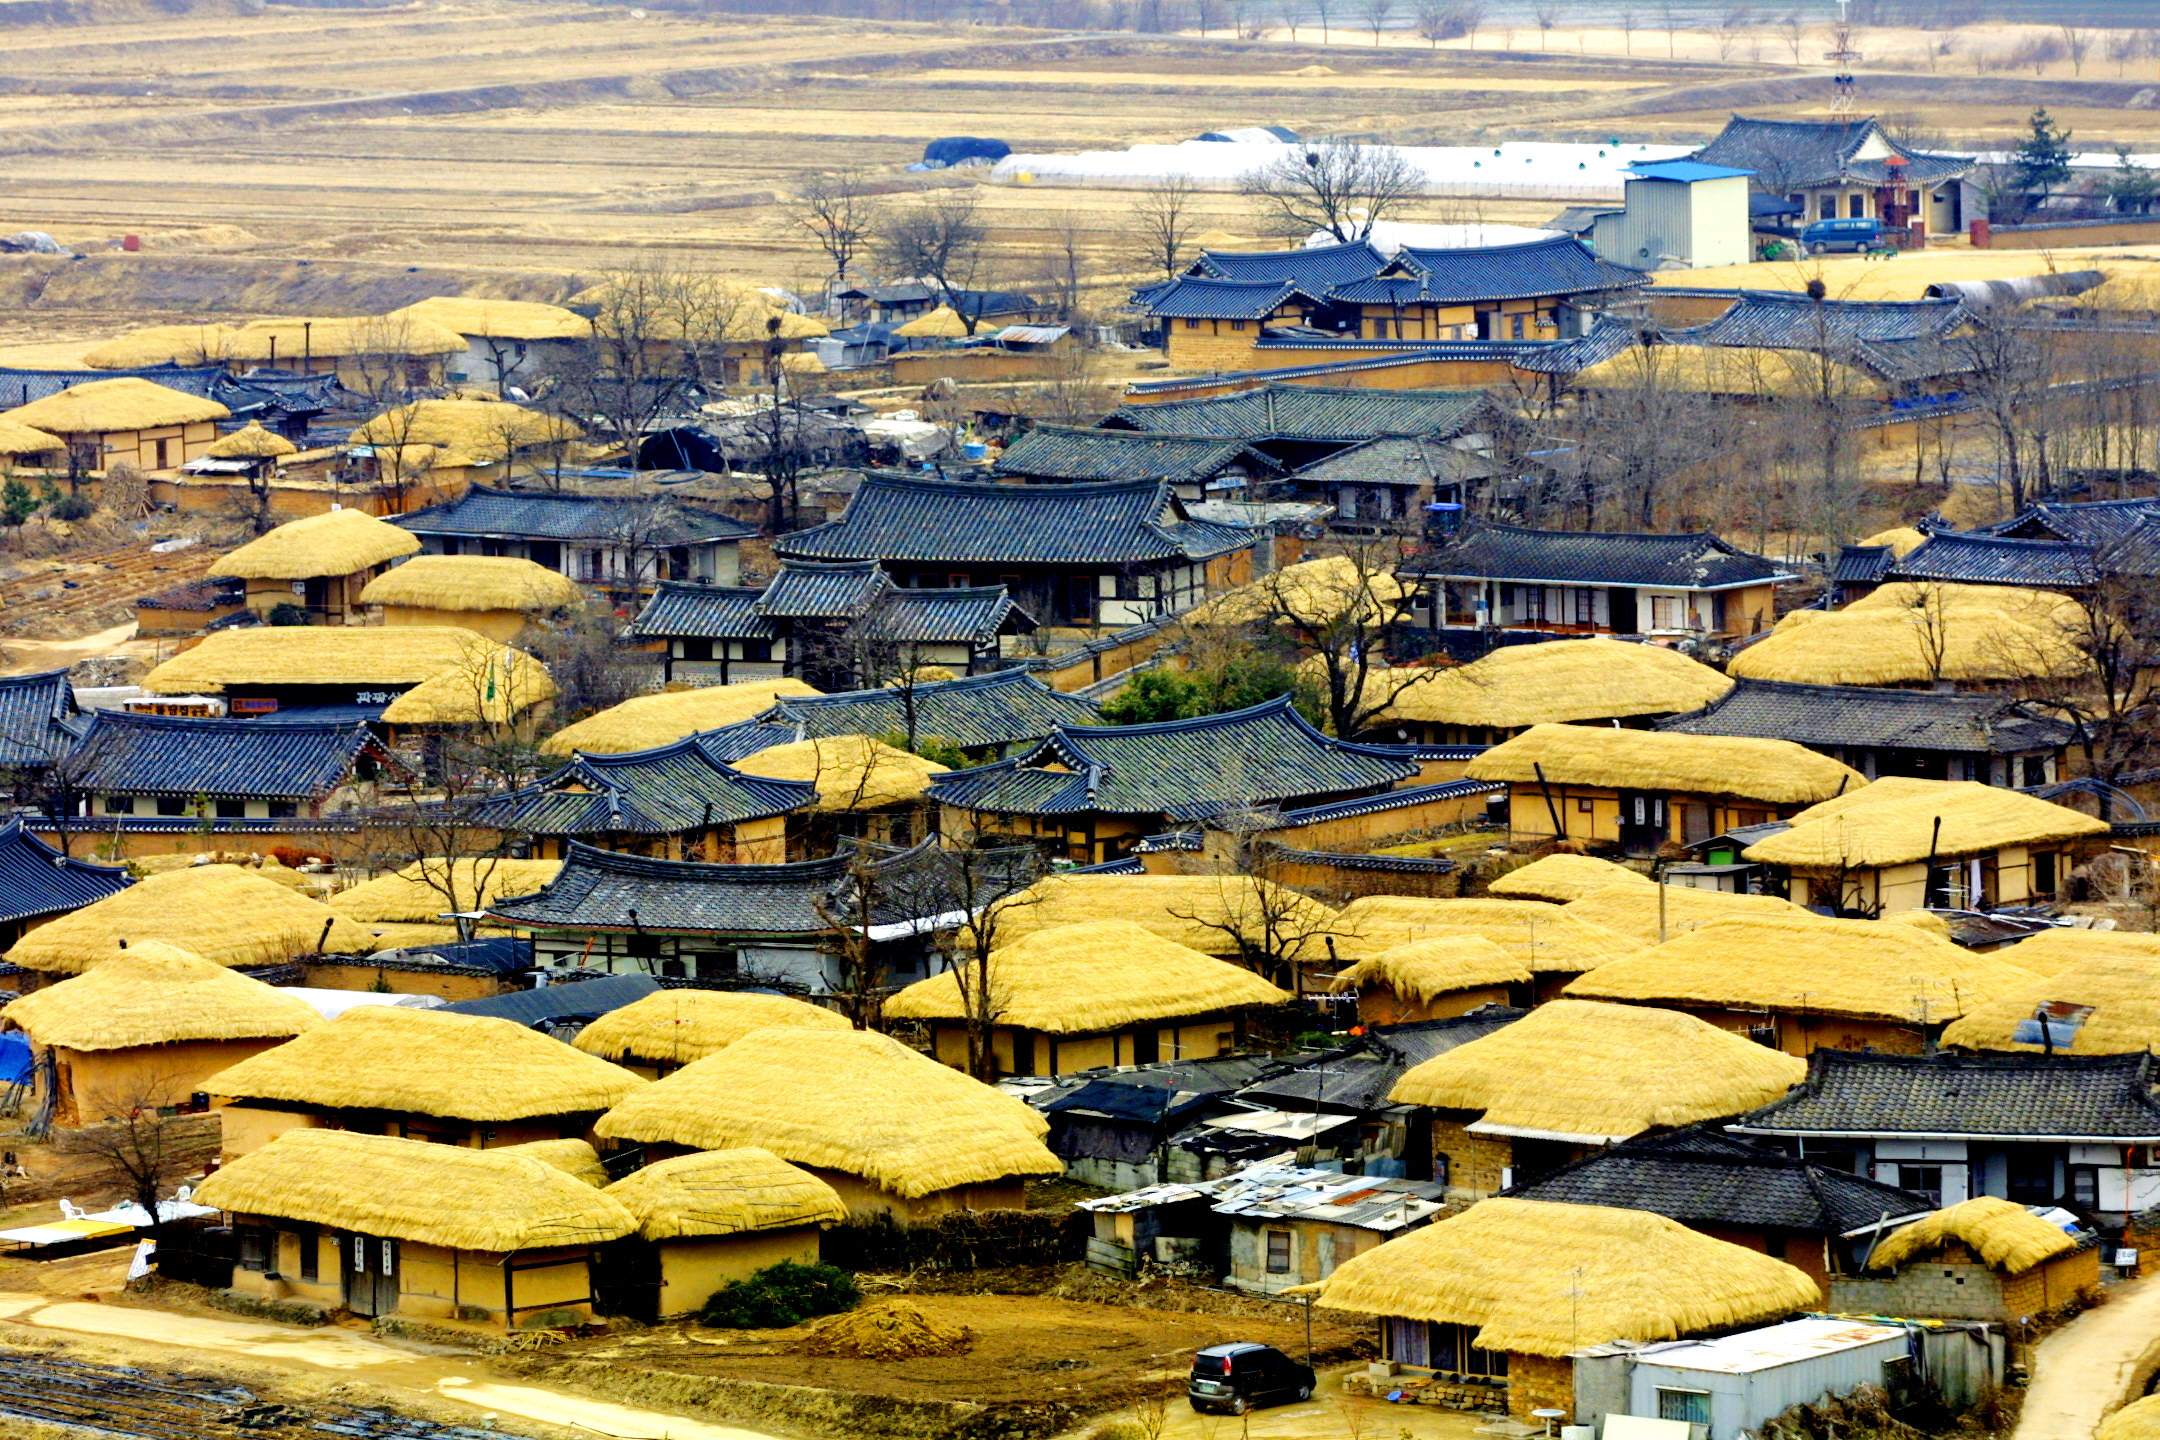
[(886, 1330)]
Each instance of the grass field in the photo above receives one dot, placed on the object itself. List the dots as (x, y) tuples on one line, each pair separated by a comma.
[(542, 142)]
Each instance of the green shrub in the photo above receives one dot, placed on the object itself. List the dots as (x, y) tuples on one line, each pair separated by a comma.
[(782, 1295), (287, 613), (72, 507)]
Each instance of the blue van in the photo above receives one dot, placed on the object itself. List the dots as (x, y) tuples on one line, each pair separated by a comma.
[(1857, 234)]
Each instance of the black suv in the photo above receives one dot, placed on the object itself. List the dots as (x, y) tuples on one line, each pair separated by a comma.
[(1235, 1378)]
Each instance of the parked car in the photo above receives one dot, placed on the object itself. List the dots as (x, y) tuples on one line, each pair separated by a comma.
[(1856, 235), (1235, 1378)]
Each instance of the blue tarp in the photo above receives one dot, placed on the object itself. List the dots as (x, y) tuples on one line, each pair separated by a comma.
[(16, 1061)]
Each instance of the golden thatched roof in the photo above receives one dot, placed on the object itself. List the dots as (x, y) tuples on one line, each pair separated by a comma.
[(1904, 821), (493, 685), (220, 913), (428, 1062), (337, 542), (2005, 1236), (293, 340), (852, 772), (160, 345), (1803, 964), (465, 431), (704, 307), (1776, 772), (725, 1192), (2064, 947), (679, 1026), (156, 994), (1544, 1279), (17, 438), (1927, 920), (1589, 1073), (1092, 977), (1634, 910), (1557, 682), (489, 1200), (1315, 592), (415, 894), (102, 407), (409, 935), (802, 362), (363, 655), (1730, 370), (1889, 637), (1424, 969), (1561, 877), (2123, 990), (943, 323), (1902, 540), (1208, 913), (652, 720), (1547, 938), (2139, 1420), (472, 582), (849, 1100), (575, 1158), (497, 319), (251, 442)]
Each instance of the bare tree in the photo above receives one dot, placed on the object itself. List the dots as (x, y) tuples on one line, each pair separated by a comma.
[(1377, 13), (636, 368), (940, 240), (1929, 613), (979, 881), (1290, 12), (2113, 705), (136, 1148), (836, 209), (1273, 930), (1338, 186), (2077, 44), (1164, 222), (1323, 11), (1066, 259), (2008, 374), (1547, 15), (1344, 616), (1627, 31)]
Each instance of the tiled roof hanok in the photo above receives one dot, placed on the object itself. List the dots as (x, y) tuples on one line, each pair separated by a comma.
[(1562, 265), (38, 723), (489, 513), (730, 743), (1398, 460), (1005, 707), (667, 790), (679, 610), (128, 754), (903, 518), (37, 880), (1569, 557), (1862, 564), (1314, 412), (973, 615), (1866, 715), (1196, 297), (1072, 452), (2098, 523), (1699, 1177), (1789, 155), (2100, 1099), (1789, 320), (20, 387), (1264, 755), (1993, 560), (607, 891), (1313, 268)]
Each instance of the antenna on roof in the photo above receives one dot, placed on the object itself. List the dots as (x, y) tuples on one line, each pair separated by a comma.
[(1841, 52)]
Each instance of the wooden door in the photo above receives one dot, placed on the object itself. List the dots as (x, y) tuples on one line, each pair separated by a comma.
[(371, 1265)]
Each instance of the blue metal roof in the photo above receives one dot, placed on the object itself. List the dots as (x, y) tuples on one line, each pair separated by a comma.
[(1687, 172), (577, 1000)]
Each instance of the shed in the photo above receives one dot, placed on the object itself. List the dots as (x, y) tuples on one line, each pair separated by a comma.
[(1728, 1386), (1561, 877), (1435, 979), (1981, 1259), (715, 1217)]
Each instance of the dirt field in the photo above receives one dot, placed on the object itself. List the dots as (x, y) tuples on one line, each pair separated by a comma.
[(482, 146)]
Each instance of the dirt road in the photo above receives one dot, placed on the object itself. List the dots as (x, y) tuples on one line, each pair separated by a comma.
[(422, 1371), (2084, 1371)]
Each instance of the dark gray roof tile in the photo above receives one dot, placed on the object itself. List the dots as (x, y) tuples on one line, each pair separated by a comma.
[(128, 754), (1571, 557), (38, 722), (540, 515), (667, 790), (978, 711), (36, 880), (1071, 452), (2097, 1098), (1315, 412), (1994, 560), (1862, 715)]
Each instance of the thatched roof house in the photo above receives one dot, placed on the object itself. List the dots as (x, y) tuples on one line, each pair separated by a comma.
[(1551, 941), (224, 914), (17, 438), (1079, 997), (851, 772), (1315, 593), (466, 433), (334, 556), (1532, 1282), (669, 1029), (434, 1231), (2007, 1264), (1811, 982), (473, 315), (652, 720), (421, 892), (1904, 634), (1559, 682), (1576, 1074), (2064, 947), (124, 420), (469, 1079), (1641, 910), (1561, 877), (2107, 1005), (1435, 978), (1901, 843), (299, 342), (1214, 914), (475, 677), (891, 1129), (145, 1027), (252, 442), (495, 595)]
